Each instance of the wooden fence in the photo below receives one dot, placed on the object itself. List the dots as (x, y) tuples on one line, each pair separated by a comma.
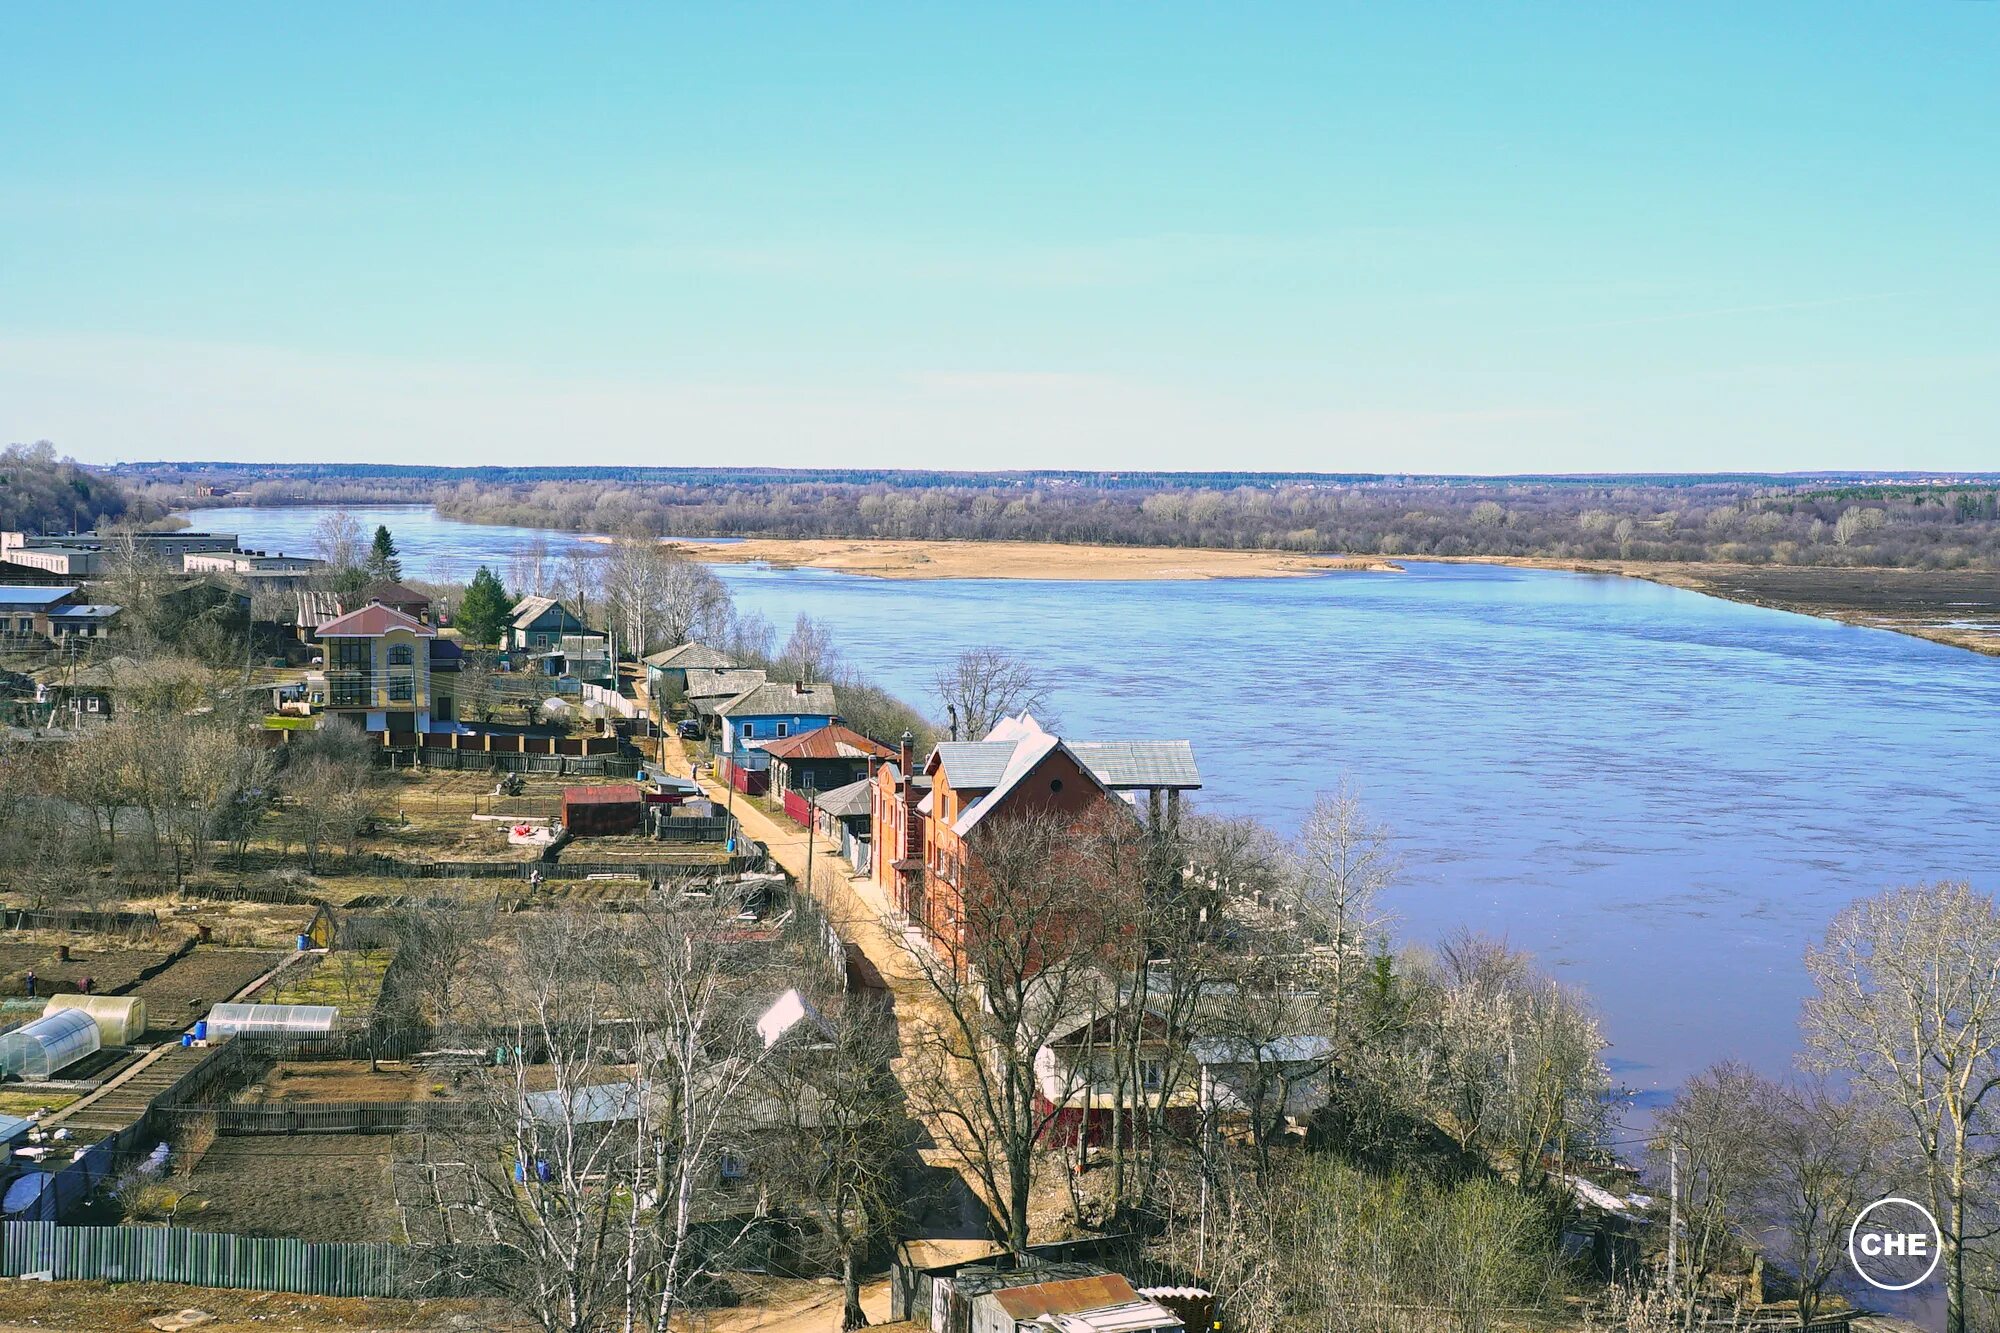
[(238, 1120), (201, 1259), (480, 761)]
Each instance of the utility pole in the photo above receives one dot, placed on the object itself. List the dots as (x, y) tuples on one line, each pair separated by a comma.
[(1673, 1217)]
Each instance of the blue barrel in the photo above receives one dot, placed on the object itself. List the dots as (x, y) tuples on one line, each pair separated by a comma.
[(305, 942), (187, 1038), (201, 1029)]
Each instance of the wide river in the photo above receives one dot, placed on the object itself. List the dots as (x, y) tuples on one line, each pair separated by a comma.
[(1663, 795)]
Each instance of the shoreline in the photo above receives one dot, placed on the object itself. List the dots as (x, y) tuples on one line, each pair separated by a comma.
[(1918, 603), (1864, 597), (887, 558)]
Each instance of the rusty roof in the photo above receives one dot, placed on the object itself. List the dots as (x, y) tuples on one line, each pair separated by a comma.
[(833, 741), (373, 621), (1074, 1296), (614, 793)]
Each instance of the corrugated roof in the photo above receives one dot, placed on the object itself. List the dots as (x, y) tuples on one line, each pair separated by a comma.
[(776, 698), (971, 765), (848, 801), (391, 593), (530, 609), (614, 793), (833, 742), (690, 655), (83, 611), (1139, 763), (373, 620), (1074, 1296)]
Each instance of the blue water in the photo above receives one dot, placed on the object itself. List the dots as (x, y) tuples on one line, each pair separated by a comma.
[(1664, 796)]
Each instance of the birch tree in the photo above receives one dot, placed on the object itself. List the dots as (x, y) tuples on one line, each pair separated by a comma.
[(1907, 1005)]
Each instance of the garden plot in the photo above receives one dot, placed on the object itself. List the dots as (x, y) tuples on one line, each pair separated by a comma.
[(108, 966), (313, 1186), (206, 977)]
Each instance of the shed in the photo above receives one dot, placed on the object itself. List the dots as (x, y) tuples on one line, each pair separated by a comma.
[(603, 810)]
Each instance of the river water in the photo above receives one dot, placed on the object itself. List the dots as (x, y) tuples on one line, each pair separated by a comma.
[(1664, 796)]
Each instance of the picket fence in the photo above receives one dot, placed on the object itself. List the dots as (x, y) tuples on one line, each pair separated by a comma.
[(202, 1259)]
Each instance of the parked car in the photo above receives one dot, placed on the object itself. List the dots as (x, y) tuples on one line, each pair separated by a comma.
[(690, 730)]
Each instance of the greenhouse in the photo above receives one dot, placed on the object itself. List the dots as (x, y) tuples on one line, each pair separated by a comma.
[(271, 1020), (121, 1019), (54, 1041)]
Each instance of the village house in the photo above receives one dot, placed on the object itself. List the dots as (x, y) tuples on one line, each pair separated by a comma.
[(378, 672), (89, 554), (821, 759), (843, 819), (709, 688), (539, 623), (927, 824), (770, 711), (399, 597), (667, 670)]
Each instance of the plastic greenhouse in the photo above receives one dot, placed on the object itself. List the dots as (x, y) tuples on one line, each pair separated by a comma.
[(271, 1020), (54, 1041), (121, 1019)]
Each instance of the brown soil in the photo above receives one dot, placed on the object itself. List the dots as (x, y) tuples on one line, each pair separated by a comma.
[(341, 1081), (107, 966), (206, 977), (101, 1307), (1023, 560), (314, 1186)]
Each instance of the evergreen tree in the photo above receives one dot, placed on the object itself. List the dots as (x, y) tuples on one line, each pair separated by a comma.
[(482, 613), (382, 561)]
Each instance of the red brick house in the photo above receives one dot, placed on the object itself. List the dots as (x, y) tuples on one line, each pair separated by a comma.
[(927, 824)]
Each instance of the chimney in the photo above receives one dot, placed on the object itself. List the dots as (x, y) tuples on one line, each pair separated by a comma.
[(799, 685), (907, 755), (953, 710)]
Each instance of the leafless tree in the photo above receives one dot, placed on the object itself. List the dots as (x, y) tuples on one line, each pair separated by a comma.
[(1715, 1134), (1907, 1005), (838, 1156), (330, 805), (1825, 1158), (808, 654), (338, 539), (529, 569), (1042, 929), (983, 685), (1341, 864)]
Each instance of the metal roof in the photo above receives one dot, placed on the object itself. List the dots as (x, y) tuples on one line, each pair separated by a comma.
[(371, 621), (969, 765), (1144, 764), (831, 742), (1074, 1296), (23, 594), (84, 611), (848, 801)]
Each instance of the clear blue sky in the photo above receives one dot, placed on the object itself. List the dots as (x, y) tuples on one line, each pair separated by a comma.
[(1487, 237)]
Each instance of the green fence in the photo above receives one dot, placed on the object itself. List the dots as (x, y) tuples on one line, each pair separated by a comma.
[(202, 1259)]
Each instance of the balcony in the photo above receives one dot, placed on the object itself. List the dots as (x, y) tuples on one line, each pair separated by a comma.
[(398, 688)]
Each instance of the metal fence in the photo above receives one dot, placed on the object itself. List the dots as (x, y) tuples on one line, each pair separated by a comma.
[(201, 1259)]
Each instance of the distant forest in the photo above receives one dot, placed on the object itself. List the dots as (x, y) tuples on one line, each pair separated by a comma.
[(43, 492), (1859, 520)]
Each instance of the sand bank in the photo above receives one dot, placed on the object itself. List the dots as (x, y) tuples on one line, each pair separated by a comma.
[(1022, 560)]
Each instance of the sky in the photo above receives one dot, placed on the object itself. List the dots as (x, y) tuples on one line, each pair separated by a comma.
[(1380, 237)]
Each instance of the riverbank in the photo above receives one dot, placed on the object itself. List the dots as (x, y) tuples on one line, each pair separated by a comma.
[(1956, 607), (1022, 560)]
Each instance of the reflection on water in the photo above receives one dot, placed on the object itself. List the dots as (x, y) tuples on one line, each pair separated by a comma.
[(1663, 795)]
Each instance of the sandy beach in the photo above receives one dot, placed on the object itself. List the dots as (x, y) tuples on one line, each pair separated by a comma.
[(1022, 560)]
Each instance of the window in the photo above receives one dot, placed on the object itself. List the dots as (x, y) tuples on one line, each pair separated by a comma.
[(1152, 1075), (400, 655), (402, 690), (784, 730), (749, 730), (733, 1168)]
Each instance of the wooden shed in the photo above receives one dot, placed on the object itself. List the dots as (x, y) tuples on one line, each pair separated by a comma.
[(603, 810)]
